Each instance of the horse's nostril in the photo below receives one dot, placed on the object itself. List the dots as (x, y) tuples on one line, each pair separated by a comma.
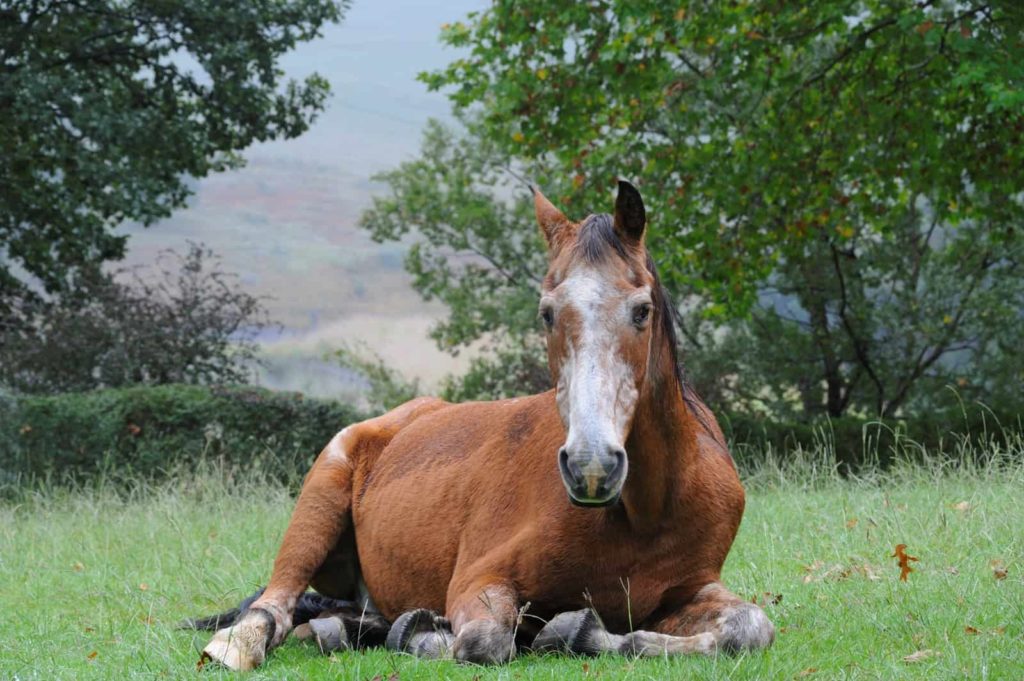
[(570, 470), (616, 465)]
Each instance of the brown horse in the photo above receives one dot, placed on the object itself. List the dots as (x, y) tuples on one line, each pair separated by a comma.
[(488, 510)]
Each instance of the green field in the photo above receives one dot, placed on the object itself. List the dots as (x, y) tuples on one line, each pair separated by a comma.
[(94, 581)]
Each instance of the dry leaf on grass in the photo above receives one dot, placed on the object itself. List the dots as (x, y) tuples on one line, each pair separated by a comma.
[(766, 599), (998, 569), (921, 656), (77, 566), (962, 506), (971, 631), (92, 655), (851, 523), (837, 572), (806, 672), (143, 587), (904, 561)]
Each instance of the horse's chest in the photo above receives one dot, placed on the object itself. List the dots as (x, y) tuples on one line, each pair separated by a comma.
[(624, 578)]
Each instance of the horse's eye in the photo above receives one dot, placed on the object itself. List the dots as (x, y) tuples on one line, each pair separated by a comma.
[(548, 316), (641, 313)]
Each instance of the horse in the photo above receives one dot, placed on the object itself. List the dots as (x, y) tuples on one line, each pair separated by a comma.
[(594, 517)]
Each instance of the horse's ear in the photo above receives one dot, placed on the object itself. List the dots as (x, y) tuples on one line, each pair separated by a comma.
[(555, 227), (630, 216)]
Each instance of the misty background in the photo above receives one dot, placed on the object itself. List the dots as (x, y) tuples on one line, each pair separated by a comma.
[(287, 223)]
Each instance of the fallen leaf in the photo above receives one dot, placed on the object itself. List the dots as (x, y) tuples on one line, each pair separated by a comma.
[(143, 587), (962, 506), (77, 567), (998, 569), (25, 429), (904, 561), (999, 631), (806, 672), (920, 656), (204, 657), (971, 631), (952, 570), (92, 655), (134, 429), (851, 523), (586, 668), (89, 630)]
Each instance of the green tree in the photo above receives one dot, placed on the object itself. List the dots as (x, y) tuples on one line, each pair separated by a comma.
[(839, 184), (109, 110)]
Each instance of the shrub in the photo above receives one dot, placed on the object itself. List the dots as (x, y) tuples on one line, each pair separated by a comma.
[(151, 431)]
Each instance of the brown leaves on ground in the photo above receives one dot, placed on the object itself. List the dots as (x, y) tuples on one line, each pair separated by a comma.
[(962, 506), (806, 672), (820, 572), (921, 656), (766, 599), (904, 560), (999, 569)]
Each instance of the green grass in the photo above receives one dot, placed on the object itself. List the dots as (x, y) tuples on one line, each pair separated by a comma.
[(93, 582)]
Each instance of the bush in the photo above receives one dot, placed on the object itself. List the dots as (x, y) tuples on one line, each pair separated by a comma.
[(151, 431)]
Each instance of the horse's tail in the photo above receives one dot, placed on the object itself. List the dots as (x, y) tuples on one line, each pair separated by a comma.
[(310, 605)]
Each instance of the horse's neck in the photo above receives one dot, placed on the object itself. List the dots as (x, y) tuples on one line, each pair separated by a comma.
[(660, 447)]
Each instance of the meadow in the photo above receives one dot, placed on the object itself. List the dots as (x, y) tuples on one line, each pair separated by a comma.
[(95, 580)]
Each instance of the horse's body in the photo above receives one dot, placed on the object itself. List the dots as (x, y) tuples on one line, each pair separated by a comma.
[(460, 508)]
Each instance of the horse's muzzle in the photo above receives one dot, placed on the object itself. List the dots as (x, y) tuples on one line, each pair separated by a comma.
[(593, 480)]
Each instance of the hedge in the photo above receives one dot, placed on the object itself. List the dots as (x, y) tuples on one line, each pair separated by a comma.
[(150, 431)]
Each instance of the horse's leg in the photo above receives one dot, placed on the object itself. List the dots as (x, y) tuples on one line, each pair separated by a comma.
[(481, 631), (321, 515), (715, 619)]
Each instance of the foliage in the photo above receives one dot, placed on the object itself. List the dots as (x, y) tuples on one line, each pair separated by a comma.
[(839, 184), (148, 432), (109, 110), (386, 387), (188, 323), (476, 250)]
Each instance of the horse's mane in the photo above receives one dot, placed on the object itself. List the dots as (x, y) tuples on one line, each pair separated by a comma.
[(597, 240)]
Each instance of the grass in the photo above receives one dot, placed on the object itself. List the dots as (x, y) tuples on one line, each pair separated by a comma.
[(94, 581)]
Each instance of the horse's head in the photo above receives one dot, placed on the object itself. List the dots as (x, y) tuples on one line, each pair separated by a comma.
[(598, 307)]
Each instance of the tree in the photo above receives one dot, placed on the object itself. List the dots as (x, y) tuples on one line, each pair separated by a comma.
[(109, 110), (476, 252), (838, 184), (187, 322)]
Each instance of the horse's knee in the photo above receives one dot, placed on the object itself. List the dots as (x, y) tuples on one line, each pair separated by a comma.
[(744, 627), (484, 641)]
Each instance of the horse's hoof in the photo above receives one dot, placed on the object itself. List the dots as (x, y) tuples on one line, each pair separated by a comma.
[(422, 633), (329, 634), (484, 642), (243, 646), (571, 632)]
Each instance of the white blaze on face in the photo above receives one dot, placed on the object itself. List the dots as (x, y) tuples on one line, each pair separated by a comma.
[(597, 391)]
